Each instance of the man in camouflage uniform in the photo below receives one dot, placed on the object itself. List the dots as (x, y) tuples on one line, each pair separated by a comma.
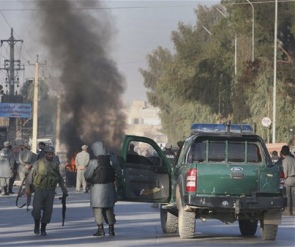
[(44, 176)]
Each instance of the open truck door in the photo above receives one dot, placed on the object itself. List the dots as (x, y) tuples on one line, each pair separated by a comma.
[(145, 173)]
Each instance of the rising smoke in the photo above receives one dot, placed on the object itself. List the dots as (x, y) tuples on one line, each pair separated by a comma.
[(78, 36)]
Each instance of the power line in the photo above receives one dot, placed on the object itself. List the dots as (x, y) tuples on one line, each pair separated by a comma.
[(16, 36), (260, 2)]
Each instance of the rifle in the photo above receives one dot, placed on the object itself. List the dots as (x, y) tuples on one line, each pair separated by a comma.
[(21, 192), (64, 207)]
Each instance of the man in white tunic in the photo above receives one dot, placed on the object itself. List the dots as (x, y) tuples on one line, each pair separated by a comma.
[(81, 160)]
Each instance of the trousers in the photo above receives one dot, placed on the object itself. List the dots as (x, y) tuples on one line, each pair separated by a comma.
[(102, 215)]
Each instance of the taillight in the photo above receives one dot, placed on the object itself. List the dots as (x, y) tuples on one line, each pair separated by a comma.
[(191, 180), (282, 180)]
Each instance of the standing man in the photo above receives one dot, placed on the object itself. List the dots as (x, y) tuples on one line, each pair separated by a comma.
[(102, 190), (169, 153), (289, 171), (45, 176), (81, 160), (131, 149), (26, 159), (14, 169), (41, 150), (6, 168)]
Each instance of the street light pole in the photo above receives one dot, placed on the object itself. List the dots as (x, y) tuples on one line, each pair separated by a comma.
[(252, 29), (275, 75), (35, 107)]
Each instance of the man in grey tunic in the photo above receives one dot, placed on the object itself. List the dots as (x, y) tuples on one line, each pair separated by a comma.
[(81, 160), (102, 190), (26, 159)]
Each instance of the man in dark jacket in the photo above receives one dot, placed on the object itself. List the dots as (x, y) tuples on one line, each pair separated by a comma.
[(169, 153)]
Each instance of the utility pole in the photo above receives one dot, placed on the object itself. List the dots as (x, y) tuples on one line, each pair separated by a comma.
[(57, 130), (275, 74), (11, 97), (35, 105), (253, 39)]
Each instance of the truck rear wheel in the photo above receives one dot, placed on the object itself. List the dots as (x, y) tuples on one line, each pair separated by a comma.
[(186, 220), (269, 232), (169, 222), (248, 227)]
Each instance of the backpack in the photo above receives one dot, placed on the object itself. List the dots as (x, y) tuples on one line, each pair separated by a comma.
[(99, 171)]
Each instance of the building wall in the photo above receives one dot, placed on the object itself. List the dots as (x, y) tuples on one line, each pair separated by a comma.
[(143, 120)]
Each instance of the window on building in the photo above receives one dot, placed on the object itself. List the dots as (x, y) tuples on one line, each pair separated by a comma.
[(135, 121)]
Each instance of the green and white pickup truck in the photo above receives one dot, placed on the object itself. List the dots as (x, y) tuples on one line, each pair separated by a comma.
[(221, 172)]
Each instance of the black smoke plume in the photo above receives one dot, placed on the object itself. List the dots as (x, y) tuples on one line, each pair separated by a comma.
[(78, 36)]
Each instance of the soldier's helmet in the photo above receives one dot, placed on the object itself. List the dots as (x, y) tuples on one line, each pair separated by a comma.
[(49, 149)]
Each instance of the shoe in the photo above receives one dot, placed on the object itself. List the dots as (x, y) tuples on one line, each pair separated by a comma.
[(111, 230), (11, 192), (37, 227), (43, 229), (86, 192), (100, 231)]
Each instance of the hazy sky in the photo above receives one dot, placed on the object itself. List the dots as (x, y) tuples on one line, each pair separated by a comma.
[(141, 26)]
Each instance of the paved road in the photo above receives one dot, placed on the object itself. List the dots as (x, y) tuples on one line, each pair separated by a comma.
[(138, 224)]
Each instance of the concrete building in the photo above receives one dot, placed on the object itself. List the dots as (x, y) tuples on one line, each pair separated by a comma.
[(143, 120)]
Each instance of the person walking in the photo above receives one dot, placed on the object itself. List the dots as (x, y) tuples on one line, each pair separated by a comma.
[(6, 168), (44, 176), (102, 190), (26, 159), (81, 160)]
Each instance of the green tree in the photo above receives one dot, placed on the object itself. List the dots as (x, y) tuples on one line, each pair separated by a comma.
[(197, 83)]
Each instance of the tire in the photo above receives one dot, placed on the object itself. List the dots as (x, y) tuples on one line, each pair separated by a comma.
[(186, 220), (169, 222), (248, 228), (269, 232)]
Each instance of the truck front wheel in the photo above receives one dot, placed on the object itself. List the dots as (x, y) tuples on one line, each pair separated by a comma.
[(169, 222), (248, 227)]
